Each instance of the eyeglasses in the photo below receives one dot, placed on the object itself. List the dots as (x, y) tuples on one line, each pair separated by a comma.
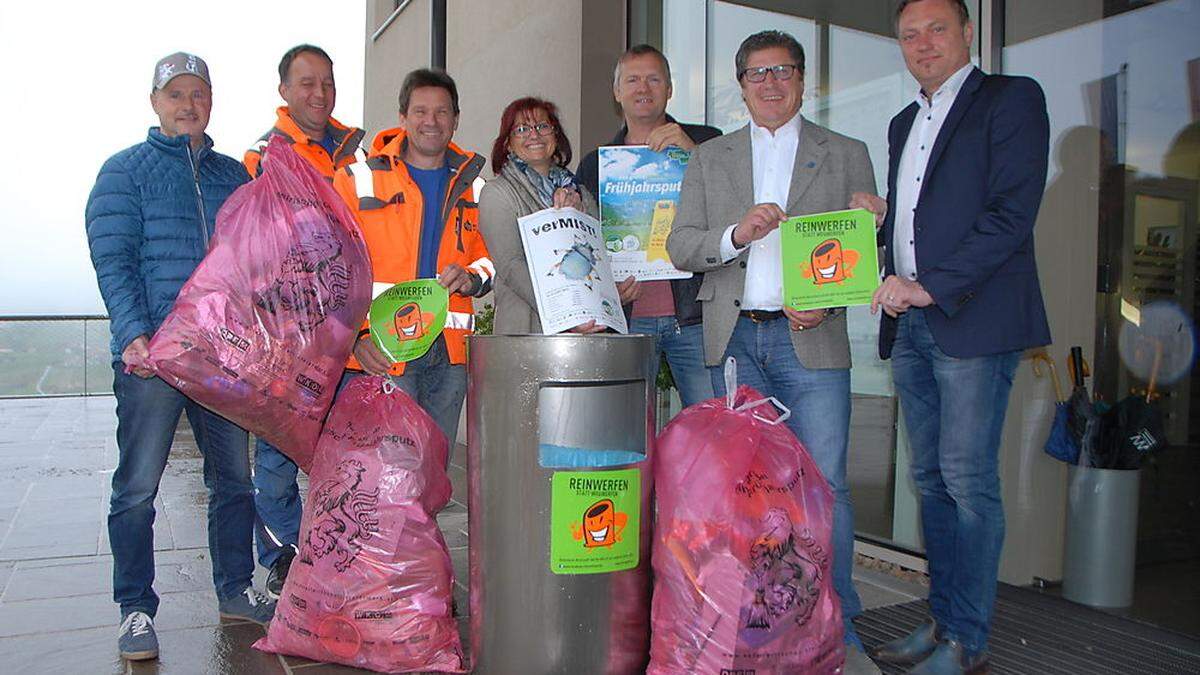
[(781, 73), (542, 129)]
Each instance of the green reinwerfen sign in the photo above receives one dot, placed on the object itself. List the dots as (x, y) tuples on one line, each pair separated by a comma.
[(829, 259), (595, 519), (407, 318)]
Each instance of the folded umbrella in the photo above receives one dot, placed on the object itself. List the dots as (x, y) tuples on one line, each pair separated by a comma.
[(1082, 418), (1059, 444), (1133, 428)]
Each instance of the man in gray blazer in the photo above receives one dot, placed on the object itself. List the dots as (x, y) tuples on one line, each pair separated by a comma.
[(737, 190)]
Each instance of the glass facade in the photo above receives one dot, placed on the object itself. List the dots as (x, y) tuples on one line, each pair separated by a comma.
[(855, 81), (1122, 81), (1118, 223)]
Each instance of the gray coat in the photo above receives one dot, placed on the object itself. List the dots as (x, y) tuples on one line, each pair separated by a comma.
[(718, 189), (502, 201)]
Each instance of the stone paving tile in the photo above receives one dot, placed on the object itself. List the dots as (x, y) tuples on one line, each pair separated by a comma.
[(80, 651), (222, 649), (187, 609)]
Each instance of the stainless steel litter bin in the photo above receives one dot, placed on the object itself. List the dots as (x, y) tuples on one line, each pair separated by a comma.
[(560, 435)]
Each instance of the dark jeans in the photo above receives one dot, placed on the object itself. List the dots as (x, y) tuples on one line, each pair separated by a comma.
[(277, 500), (684, 347), (820, 403), (147, 413), (954, 411)]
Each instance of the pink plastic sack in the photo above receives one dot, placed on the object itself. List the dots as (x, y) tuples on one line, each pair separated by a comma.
[(261, 331), (371, 586), (742, 556)]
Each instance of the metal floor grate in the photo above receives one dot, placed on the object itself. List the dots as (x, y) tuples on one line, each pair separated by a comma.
[(1036, 634)]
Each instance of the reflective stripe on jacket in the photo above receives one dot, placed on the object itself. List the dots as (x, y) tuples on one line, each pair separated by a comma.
[(389, 207), (349, 150)]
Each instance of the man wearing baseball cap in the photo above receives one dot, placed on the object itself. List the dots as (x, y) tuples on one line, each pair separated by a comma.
[(149, 219)]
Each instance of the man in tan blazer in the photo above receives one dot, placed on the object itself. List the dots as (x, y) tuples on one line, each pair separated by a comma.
[(736, 191)]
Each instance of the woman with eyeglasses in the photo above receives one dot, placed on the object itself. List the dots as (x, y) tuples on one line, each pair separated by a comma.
[(530, 158)]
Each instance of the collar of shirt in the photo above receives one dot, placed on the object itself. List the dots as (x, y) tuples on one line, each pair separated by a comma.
[(949, 88), (789, 128)]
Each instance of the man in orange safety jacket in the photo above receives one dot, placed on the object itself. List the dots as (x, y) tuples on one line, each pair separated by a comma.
[(306, 84), (414, 201)]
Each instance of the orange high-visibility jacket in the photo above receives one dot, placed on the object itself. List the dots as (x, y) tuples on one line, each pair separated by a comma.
[(388, 205), (348, 149)]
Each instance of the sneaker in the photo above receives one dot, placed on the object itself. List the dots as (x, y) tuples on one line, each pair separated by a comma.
[(278, 573), (137, 640), (249, 605)]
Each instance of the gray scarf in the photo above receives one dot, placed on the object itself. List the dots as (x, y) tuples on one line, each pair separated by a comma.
[(544, 185)]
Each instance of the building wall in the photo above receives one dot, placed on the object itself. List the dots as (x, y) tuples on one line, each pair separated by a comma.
[(501, 50), (401, 48)]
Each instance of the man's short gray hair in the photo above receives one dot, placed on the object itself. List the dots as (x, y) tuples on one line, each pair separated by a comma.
[(641, 50), (765, 40)]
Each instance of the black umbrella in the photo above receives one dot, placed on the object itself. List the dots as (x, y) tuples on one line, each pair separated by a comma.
[(1082, 419), (1134, 427)]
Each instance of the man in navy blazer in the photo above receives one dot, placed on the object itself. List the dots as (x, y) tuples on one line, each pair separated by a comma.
[(967, 168)]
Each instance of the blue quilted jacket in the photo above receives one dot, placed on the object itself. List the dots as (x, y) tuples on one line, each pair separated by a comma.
[(149, 219)]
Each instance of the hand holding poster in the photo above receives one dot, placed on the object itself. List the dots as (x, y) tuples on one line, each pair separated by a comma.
[(571, 273), (829, 259), (639, 193), (407, 318)]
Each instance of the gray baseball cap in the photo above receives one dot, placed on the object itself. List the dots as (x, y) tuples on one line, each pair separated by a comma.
[(179, 63)]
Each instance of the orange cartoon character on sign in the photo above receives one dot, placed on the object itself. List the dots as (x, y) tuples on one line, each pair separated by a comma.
[(602, 525), (830, 263), (410, 323)]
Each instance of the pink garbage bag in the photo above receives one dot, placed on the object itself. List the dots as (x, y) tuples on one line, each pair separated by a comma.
[(371, 585), (742, 556), (261, 331)]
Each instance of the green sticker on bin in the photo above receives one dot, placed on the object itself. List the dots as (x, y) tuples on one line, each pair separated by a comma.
[(595, 521), (407, 318)]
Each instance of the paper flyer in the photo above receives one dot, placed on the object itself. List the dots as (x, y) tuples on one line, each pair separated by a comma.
[(571, 273), (407, 318), (829, 259), (639, 194)]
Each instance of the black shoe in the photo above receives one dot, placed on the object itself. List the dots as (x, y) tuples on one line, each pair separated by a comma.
[(279, 572), (949, 658), (911, 648)]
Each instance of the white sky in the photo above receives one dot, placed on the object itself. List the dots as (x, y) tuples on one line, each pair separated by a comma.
[(76, 90)]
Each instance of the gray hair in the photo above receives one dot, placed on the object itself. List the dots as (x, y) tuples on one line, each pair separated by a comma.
[(640, 50), (765, 40)]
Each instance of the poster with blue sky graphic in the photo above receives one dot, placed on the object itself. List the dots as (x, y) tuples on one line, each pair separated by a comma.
[(639, 195)]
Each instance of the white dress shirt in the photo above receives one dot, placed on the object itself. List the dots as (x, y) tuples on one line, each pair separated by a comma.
[(773, 156), (931, 114)]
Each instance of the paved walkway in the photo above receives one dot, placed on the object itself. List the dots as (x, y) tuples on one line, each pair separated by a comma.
[(56, 610)]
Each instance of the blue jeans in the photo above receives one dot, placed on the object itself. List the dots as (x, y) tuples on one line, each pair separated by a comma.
[(684, 346), (277, 501), (954, 410), (147, 413), (820, 403), (437, 385)]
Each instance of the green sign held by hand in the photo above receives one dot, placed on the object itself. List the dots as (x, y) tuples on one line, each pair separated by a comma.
[(407, 318)]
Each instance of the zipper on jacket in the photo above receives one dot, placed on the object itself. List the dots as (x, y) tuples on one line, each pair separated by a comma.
[(199, 194)]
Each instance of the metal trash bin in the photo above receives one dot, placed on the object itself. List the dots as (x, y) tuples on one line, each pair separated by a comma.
[(1102, 514), (560, 435)]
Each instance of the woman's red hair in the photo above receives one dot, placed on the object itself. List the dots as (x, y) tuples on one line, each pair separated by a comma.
[(518, 110)]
